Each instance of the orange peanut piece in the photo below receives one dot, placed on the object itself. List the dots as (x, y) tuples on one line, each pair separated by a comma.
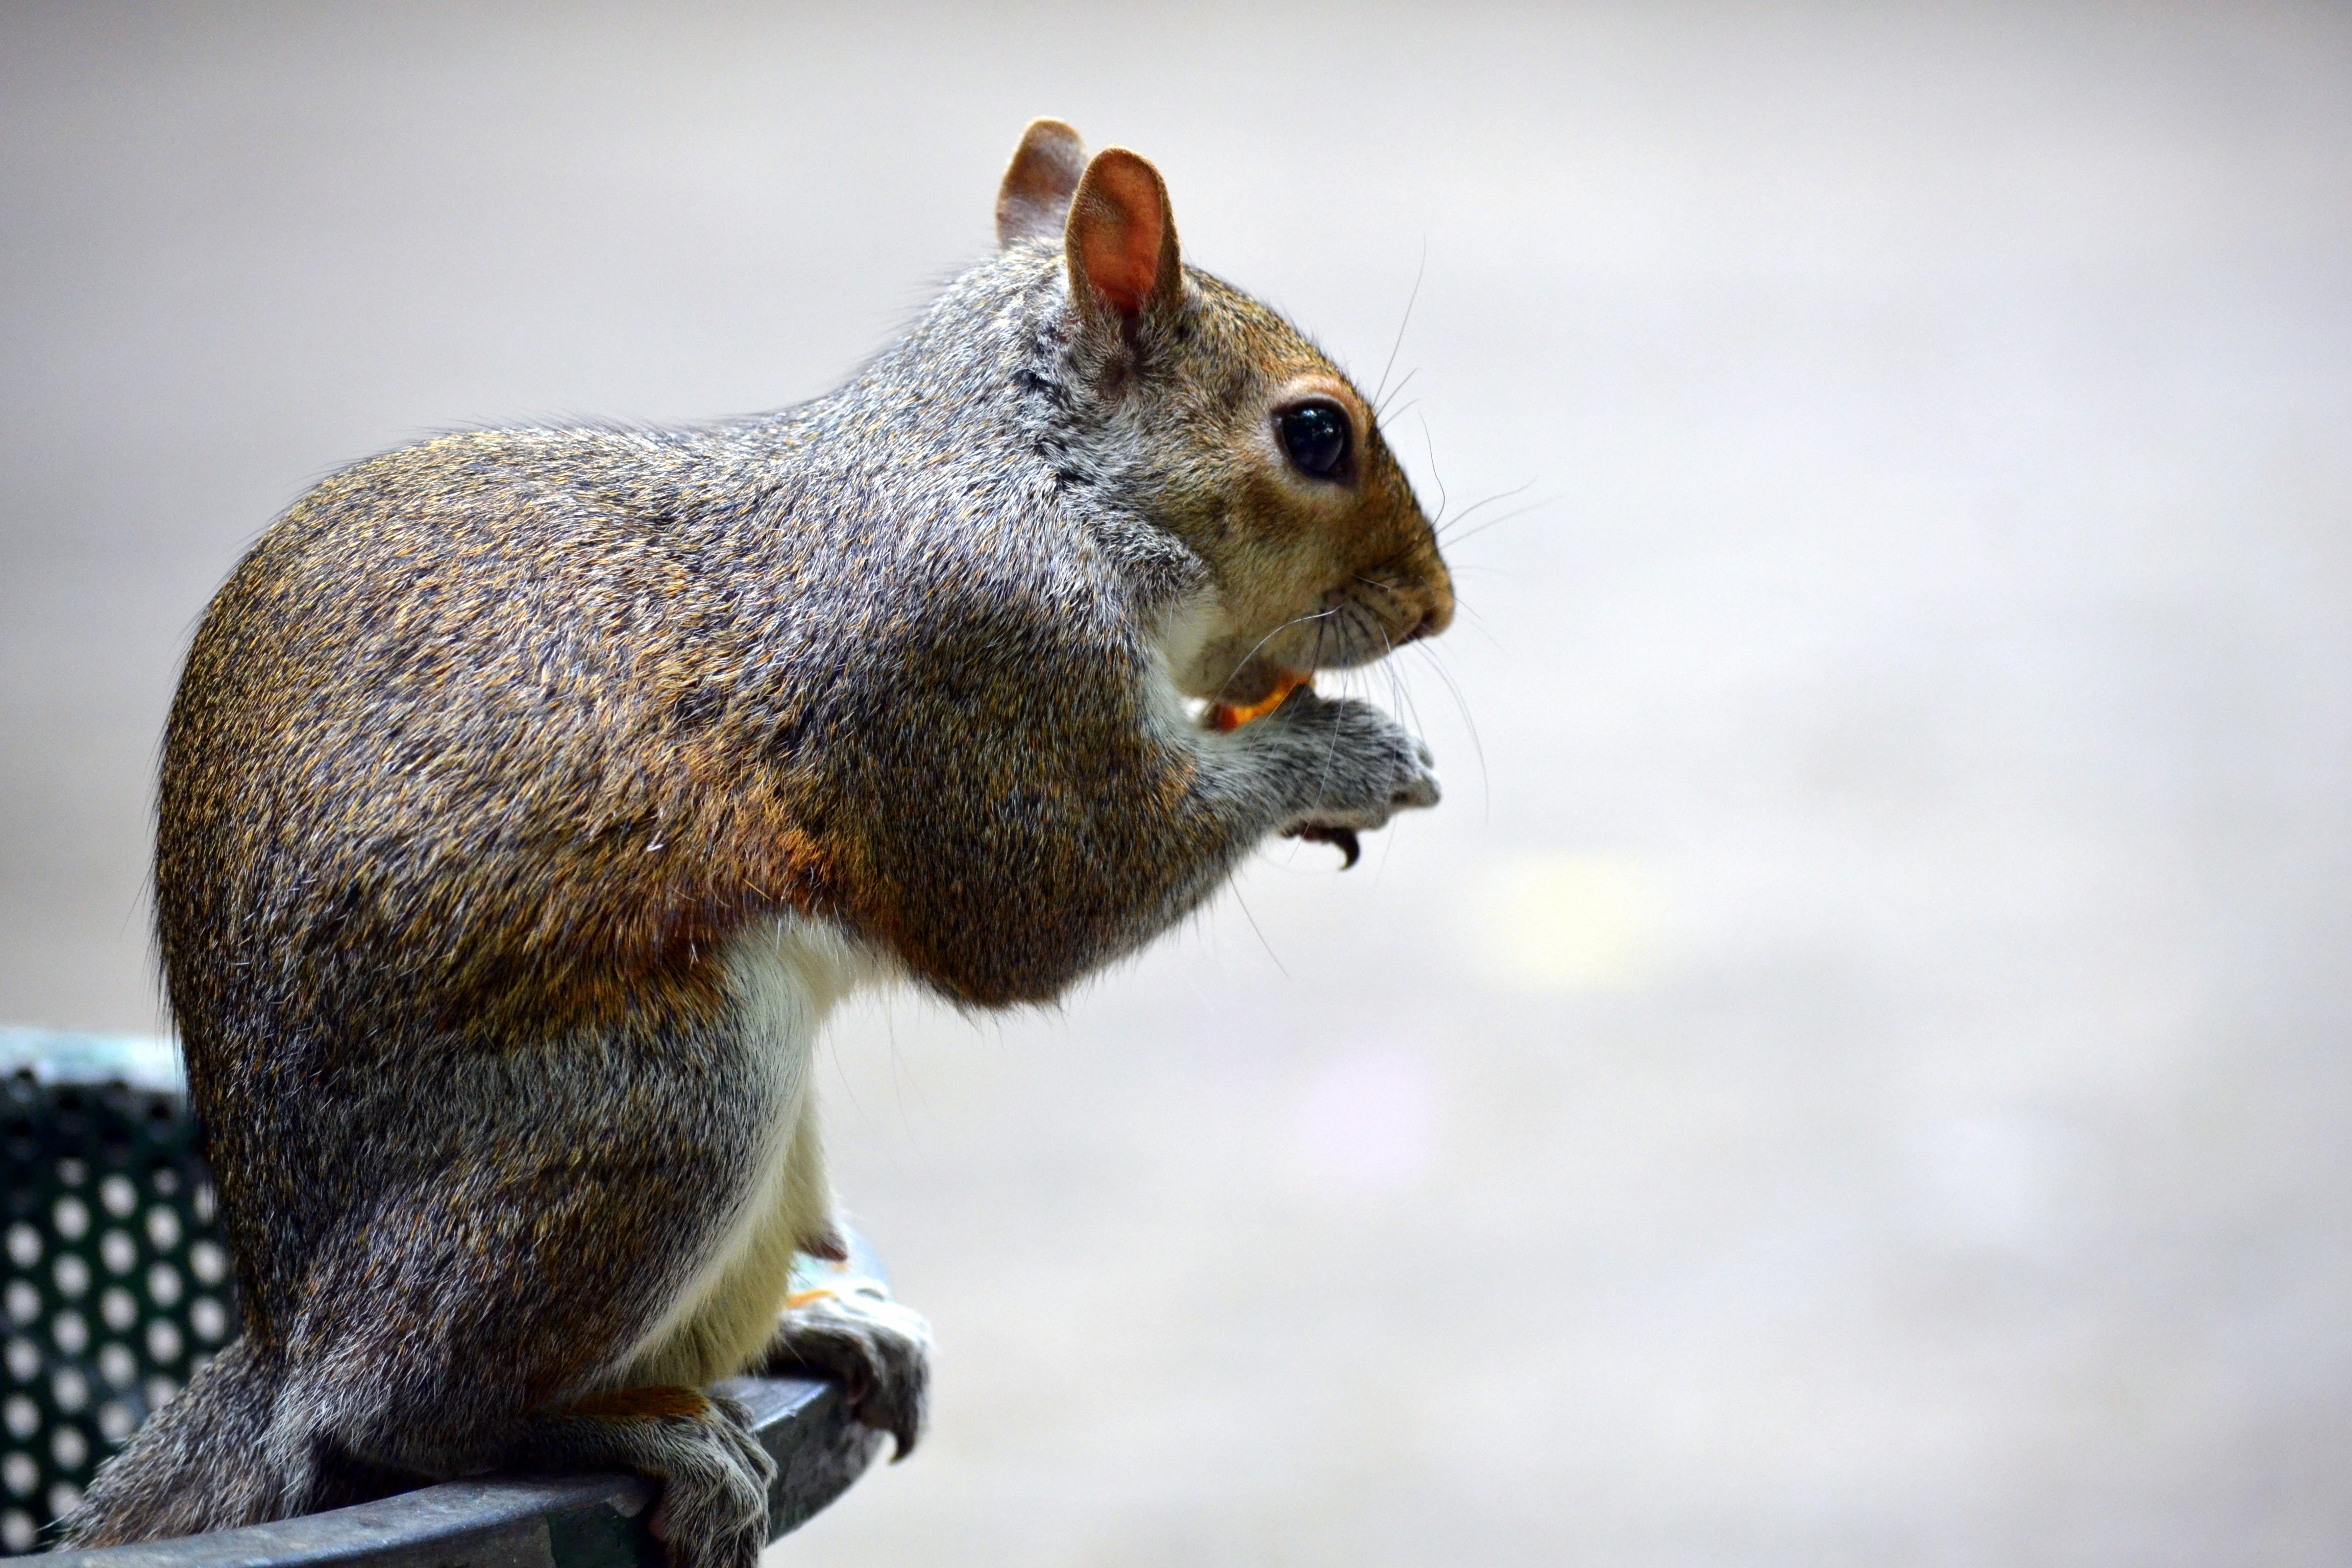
[(1225, 716)]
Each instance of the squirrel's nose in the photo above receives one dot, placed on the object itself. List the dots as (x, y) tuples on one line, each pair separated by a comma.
[(1433, 620)]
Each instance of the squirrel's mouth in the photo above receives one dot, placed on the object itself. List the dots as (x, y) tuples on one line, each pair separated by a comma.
[(1355, 626), (1233, 715), (1257, 683), (1368, 621)]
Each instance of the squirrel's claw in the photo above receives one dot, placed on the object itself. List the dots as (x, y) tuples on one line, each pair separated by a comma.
[(878, 1349), (1343, 837)]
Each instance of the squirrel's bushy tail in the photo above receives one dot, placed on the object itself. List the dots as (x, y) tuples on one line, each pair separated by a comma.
[(202, 1462)]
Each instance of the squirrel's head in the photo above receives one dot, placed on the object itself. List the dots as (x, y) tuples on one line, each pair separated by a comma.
[(1230, 430)]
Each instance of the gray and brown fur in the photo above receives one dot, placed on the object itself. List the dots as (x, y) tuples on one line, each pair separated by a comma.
[(530, 793)]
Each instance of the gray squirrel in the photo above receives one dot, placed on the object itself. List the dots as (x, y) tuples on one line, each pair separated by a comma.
[(530, 796)]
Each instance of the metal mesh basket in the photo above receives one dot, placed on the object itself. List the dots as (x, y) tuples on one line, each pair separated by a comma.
[(118, 1283)]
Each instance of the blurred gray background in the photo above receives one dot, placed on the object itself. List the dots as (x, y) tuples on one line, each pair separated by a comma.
[(1855, 1072)]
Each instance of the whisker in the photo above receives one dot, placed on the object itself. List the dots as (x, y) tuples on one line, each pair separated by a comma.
[(1396, 683), (1404, 700), (1492, 522), (1243, 905), (1456, 520), (1404, 323), (1369, 620), (1330, 754), (1270, 636), (1477, 746), (1432, 447), (1477, 624), (1378, 412)]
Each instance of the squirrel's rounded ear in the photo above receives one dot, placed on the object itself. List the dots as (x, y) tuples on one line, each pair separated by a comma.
[(1121, 240), (1035, 200)]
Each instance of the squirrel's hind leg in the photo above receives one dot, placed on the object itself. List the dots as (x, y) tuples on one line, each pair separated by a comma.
[(358, 1415), (484, 1312)]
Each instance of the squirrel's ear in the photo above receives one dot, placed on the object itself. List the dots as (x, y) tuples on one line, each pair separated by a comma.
[(1035, 199), (1121, 239)]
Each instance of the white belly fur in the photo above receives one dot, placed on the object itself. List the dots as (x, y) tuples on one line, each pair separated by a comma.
[(785, 977)]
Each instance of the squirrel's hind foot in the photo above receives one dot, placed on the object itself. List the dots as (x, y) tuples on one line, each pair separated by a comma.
[(714, 1474), (880, 1351), (713, 1511)]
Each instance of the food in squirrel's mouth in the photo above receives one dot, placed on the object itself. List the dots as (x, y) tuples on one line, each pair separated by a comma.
[(1225, 716)]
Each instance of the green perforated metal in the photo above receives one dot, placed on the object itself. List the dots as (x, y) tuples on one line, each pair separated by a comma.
[(117, 1285)]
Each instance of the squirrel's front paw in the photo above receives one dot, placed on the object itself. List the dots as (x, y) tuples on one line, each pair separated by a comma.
[(1351, 768), (849, 1328)]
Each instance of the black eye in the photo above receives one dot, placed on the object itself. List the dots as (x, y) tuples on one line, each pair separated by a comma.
[(1316, 436)]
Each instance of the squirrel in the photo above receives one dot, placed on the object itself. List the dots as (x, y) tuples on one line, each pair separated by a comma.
[(530, 796)]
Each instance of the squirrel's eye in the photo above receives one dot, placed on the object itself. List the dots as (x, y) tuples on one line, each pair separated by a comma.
[(1316, 436)]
